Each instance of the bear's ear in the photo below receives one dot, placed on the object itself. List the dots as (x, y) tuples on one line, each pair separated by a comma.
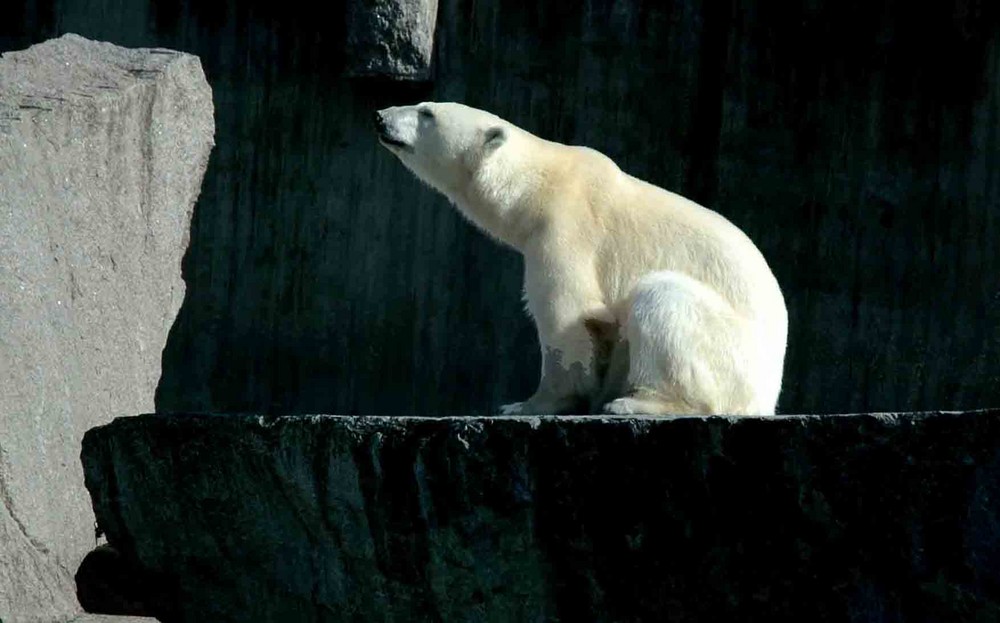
[(495, 137)]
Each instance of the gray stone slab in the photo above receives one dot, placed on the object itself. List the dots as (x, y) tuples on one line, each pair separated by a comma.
[(391, 38), (102, 618), (871, 518), (102, 152)]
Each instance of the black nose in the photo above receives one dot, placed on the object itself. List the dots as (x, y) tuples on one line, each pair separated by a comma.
[(379, 122)]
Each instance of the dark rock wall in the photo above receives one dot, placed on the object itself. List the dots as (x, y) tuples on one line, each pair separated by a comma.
[(856, 142)]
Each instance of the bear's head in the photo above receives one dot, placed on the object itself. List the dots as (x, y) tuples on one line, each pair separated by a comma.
[(445, 144)]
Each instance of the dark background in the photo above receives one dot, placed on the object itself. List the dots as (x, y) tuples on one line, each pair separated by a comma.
[(855, 142)]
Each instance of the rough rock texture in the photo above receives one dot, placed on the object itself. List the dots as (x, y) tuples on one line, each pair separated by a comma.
[(391, 38), (99, 618), (102, 152), (823, 518)]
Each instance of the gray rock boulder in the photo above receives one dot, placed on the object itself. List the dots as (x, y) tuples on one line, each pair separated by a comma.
[(102, 152), (799, 518), (391, 38)]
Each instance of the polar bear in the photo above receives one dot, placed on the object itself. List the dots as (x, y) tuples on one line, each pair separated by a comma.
[(638, 294)]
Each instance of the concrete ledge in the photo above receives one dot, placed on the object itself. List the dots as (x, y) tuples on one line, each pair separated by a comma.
[(814, 518)]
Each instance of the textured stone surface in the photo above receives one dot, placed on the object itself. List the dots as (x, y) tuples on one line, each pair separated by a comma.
[(102, 151), (99, 618), (823, 518), (391, 38)]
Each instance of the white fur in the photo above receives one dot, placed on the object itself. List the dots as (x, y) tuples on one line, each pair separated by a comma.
[(701, 313)]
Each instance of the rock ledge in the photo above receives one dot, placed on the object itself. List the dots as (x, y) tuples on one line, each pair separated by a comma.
[(875, 517)]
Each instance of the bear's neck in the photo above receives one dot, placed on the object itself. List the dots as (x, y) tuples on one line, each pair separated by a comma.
[(502, 202)]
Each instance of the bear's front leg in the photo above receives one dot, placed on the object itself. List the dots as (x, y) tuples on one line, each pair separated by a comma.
[(566, 385), (569, 378)]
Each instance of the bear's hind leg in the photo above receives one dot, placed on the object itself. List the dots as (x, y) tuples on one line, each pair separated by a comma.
[(647, 403), (689, 351)]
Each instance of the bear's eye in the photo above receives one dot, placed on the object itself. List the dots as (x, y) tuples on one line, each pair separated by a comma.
[(426, 113)]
